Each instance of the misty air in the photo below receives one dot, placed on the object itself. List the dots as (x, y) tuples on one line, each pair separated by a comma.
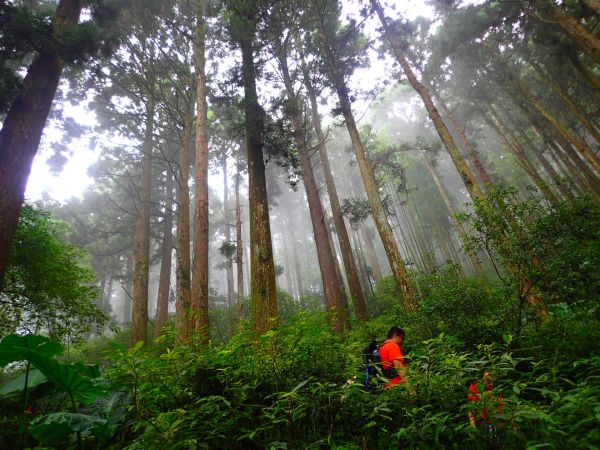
[(345, 224)]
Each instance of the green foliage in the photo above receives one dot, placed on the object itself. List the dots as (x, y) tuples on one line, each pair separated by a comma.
[(355, 210), (57, 428), (17, 348), (16, 385), (301, 387), (469, 308), (25, 30), (76, 381), (552, 252), (228, 250), (48, 285)]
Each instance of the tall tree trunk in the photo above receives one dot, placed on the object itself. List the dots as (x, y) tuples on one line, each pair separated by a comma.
[(587, 74), (461, 165), (377, 210), (531, 168), (199, 291), (475, 262), (246, 260), (101, 296), (514, 146), (466, 143), (356, 293), (139, 317), (106, 305), (550, 171), (183, 268), (579, 144), (523, 93), (229, 262), (331, 286), (297, 265), (288, 265), (238, 241), (375, 267), (583, 171), (24, 124), (566, 99), (403, 229), (263, 292), (127, 289), (569, 180), (164, 283), (338, 269), (360, 253), (589, 42)]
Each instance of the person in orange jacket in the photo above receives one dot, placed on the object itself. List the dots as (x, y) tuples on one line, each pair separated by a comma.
[(392, 359)]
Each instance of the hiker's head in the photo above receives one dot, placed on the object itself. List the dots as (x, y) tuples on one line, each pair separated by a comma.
[(397, 335)]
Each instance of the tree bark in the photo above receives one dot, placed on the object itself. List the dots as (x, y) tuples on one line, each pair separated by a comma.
[(566, 99), (516, 149), (127, 290), (229, 261), (461, 165), (331, 286), (360, 254), (514, 79), (336, 261), (356, 293), (587, 74), (24, 124), (591, 182), (238, 242), (164, 283), (139, 316), (263, 292), (106, 305), (589, 42), (287, 263), (550, 171), (466, 143), (199, 291), (377, 210), (183, 269), (475, 262), (375, 267), (297, 265)]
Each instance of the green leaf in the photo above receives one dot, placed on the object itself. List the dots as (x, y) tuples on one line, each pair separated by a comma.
[(113, 407), (68, 377), (300, 385), (17, 348), (17, 384), (58, 427)]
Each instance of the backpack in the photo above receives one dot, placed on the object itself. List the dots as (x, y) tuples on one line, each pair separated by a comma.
[(373, 363)]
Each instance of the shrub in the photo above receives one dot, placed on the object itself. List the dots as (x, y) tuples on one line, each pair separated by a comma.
[(48, 283)]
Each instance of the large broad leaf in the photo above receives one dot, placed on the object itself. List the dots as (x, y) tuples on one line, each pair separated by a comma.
[(35, 379), (89, 370), (113, 407), (68, 378), (19, 348), (59, 427)]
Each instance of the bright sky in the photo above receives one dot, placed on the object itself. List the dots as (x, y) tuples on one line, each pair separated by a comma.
[(73, 180)]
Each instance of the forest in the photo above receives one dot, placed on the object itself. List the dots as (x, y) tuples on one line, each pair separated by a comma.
[(218, 216)]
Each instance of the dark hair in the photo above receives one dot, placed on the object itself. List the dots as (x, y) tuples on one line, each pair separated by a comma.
[(395, 331)]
